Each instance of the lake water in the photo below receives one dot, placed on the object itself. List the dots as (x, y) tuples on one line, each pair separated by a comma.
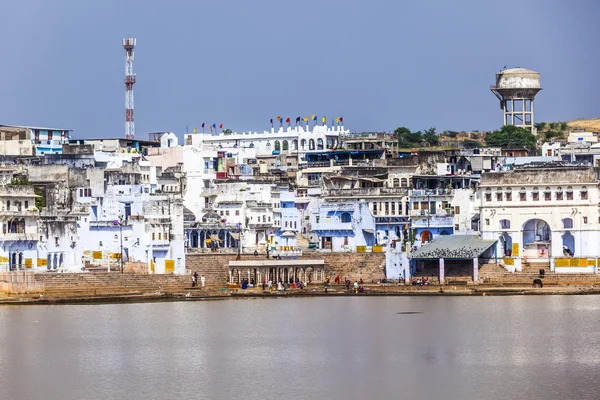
[(533, 347)]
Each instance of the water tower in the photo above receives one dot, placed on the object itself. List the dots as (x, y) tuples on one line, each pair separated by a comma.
[(516, 89)]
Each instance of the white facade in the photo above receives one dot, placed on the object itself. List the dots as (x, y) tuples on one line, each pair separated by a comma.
[(539, 214)]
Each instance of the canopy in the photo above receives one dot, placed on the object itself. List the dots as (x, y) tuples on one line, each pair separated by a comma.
[(215, 238), (235, 235), (288, 234)]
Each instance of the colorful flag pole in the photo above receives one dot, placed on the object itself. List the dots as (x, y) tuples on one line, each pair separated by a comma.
[(324, 119), (271, 122), (288, 121), (203, 127)]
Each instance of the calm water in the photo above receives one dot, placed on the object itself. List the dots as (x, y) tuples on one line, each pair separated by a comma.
[(317, 348)]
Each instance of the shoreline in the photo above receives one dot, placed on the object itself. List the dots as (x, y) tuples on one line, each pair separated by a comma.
[(218, 295)]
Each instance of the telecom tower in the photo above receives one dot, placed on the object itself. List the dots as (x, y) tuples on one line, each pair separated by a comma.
[(129, 45), (516, 89)]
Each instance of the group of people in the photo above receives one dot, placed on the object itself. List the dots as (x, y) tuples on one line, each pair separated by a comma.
[(424, 281), (357, 287), (195, 280), (277, 257), (292, 284)]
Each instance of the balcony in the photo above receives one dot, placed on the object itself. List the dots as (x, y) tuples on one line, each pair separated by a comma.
[(333, 226), (372, 191), (258, 204), (448, 212), (430, 192), (18, 237), (432, 222), (260, 225)]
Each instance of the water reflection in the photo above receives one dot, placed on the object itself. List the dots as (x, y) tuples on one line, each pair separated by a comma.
[(336, 348)]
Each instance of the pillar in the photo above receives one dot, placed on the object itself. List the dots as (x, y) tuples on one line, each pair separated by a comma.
[(442, 271), (230, 277), (406, 266), (475, 269)]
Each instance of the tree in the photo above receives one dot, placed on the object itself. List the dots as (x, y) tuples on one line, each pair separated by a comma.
[(431, 137), (510, 136), (470, 144), (406, 138), (540, 126), (564, 126), (226, 131)]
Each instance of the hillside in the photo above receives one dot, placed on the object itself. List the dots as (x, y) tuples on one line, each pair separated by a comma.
[(590, 125)]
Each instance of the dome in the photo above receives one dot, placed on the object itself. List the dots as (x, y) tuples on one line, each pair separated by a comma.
[(211, 215)]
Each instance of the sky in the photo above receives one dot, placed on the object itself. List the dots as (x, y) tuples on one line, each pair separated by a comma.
[(378, 63)]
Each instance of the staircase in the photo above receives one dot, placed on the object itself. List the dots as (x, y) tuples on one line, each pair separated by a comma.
[(301, 242), (110, 283), (497, 274)]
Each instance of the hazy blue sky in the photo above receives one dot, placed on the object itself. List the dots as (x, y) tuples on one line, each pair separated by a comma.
[(378, 63)]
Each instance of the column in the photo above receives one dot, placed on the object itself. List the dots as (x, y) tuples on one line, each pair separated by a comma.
[(230, 277), (406, 266), (475, 269), (441, 271)]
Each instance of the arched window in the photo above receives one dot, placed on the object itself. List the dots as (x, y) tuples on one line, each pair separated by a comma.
[(567, 223), (345, 217), (547, 194), (311, 144), (319, 144), (559, 193), (295, 144), (535, 194), (488, 194), (396, 182), (268, 146), (277, 145), (569, 193), (583, 193), (504, 224), (285, 145), (251, 145), (404, 182), (303, 144)]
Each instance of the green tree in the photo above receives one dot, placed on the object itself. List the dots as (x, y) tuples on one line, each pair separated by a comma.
[(406, 138), (430, 137), (540, 126), (470, 144), (564, 126), (510, 136), (550, 134), (226, 131)]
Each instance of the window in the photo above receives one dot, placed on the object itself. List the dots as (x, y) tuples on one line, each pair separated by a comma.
[(404, 182), (547, 194), (535, 194), (317, 218), (221, 212), (56, 240), (567, 223), (487, 222), (159, 235), (80, 192), (166, 236), (345, 218), (504, 224), (488, 197), (585, 220), (387, 208), (153, 236), (457, 210), (8, 205), (286, 224), (508, 194), (584, 193), (295, 225), (26, 204), (393, 208), (269, 219), (499, 196), (264, 218), (237, 212), (522, 194), (559, 193), (227, 213), (345, 240), (396, 182), (569, 193)]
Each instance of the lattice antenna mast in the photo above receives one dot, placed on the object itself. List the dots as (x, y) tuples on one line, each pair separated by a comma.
[(129, 45)]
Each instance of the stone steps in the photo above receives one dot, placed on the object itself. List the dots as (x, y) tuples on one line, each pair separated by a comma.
[(111, 282)]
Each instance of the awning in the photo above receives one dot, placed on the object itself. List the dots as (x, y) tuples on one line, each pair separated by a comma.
[(215, 238), (371, 231), (235, 235), (288, 234)]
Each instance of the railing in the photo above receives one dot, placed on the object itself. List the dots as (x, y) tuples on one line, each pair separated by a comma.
[(373, 191), (258, 204), (432, 222), (430, 192), (439, 213), (333, 226), (19, 236)]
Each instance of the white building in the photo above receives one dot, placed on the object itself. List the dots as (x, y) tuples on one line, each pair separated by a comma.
[(547, 215)]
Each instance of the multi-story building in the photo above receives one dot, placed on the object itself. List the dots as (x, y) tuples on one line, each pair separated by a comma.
[(543, 214)]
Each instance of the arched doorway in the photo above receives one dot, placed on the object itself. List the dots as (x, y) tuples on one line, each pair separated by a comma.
[(425, 237), (444, 232), (506, 243), (568, 243), (537, 238), (194, 239)]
